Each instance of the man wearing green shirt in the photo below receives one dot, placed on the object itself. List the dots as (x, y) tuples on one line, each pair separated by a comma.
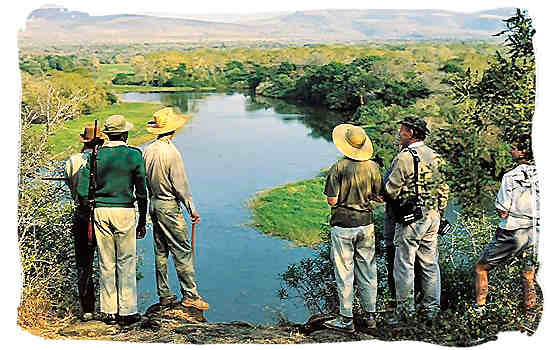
[(350, 186), (120, 183)]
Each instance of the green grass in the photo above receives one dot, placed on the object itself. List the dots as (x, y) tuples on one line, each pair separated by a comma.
[(106, 72), (293, 211), (139, 88), (66, 140)]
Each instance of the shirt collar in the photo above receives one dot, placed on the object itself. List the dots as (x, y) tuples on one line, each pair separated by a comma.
[(416, 144), (114, 143)]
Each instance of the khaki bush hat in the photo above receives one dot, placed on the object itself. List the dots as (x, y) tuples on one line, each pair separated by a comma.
[(352, 141), (166, 120), (116, 124), (88, 134)]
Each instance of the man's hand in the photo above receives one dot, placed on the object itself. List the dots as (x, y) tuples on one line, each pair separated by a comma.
[(502, 214), (195, 217), (140, 230), (378, 198)]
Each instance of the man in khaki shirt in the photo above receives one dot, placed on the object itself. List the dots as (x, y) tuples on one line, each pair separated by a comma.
[(167, 184), (350, 186), (416, 241)]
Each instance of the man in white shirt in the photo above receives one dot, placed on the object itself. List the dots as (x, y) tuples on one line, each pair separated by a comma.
[(517, 206)]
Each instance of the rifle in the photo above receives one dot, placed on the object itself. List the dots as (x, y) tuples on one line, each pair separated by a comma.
[(92, 186)]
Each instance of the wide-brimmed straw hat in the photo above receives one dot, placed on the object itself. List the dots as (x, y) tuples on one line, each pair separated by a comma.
[(88, 134), (116, 124), (352, 141), (165, 121)]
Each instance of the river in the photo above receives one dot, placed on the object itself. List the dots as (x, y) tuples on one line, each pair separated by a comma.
[(234, 146)]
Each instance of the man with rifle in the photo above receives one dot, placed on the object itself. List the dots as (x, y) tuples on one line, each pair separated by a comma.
[(84, 243), (168, 186), (118, 182), (419, 195)]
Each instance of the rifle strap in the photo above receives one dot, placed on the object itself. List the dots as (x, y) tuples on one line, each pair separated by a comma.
[(416, 160)]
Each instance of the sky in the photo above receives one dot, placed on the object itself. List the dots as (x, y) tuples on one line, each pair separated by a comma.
[(13, 17)]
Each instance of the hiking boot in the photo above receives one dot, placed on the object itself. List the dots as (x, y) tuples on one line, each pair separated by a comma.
[(340, 323), (87, 316), (196, 303), (110, 319), (398, 316), (128, 320), (431, 316), (171, 299), (370, 321)]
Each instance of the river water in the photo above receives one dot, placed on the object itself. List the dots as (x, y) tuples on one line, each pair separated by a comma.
[(234, 146)]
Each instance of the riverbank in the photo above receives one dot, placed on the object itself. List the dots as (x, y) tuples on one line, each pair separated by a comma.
[(66, 140), (141, 88), (294, 211)]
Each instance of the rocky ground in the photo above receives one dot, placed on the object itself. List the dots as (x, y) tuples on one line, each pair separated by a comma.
[(178, 324)]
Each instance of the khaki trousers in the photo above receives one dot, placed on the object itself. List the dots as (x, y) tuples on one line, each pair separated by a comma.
[(171, 236), (115, 232), (353, 255)]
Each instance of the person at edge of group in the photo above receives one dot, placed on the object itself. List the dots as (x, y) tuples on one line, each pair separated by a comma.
[(351, 184), (84, 250), (168, 186), (416, 241), (517, 205), (390, 222), (120, 183)]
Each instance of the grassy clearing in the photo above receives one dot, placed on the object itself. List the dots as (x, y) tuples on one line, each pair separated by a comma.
[(106, 72), (293, 211), (66, 140)]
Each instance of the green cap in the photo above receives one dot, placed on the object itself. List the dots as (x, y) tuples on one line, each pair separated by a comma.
[(416, 123)]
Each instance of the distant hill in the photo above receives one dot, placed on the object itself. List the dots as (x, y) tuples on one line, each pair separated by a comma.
[(61, 26)]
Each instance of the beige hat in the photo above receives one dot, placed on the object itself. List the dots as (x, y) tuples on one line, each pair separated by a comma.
[(116, 124), (166, 120), (352, 141), (88, 134)]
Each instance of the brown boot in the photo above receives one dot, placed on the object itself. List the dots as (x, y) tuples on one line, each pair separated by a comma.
[(196, 303), (529, 292)]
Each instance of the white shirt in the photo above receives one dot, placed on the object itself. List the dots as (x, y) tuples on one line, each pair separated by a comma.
[(519, 197)]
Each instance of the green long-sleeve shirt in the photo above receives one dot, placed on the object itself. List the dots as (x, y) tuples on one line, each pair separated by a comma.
[(120, 176)]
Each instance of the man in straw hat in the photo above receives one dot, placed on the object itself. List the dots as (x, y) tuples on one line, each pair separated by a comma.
[(120, 183), (84, 250), (419, 198), (351, 184), (168, 186)]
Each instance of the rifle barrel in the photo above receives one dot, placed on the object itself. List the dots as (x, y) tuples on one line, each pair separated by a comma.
[(54, 178)]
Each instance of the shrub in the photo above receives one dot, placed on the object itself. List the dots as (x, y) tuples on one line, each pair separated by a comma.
[(312, 281)]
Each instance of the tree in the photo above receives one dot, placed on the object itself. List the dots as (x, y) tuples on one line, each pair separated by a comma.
[(496, 107)]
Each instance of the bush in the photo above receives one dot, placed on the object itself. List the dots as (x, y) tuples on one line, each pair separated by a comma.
[(312, 281), (44, 238)]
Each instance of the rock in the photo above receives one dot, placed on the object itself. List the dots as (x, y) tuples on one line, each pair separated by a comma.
[(176, 312), (90, 329)]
